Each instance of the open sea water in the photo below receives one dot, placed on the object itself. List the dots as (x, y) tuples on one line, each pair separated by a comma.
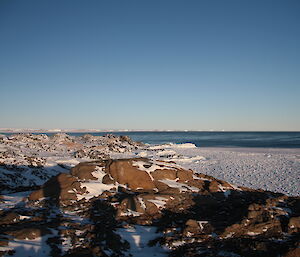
[(215, 139), (211, 139)]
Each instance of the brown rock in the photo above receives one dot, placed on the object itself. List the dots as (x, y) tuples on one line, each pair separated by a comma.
[(164, 174), (84, 170), (9, 218), (271, 228), (125, 173), (197, 183), (184, 175), (294, 225), (58, 187), (164, 188), (145, 204), (72, 145), (214, 186), (107, 179), (192, 227), (219, 186), (150, 199)]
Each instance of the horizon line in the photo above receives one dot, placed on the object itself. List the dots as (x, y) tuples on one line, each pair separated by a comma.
[(40, 130)]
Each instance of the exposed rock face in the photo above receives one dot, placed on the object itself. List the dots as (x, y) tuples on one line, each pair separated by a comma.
[(197, 215)]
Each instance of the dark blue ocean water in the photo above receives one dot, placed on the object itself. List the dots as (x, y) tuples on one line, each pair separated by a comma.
[(215, 139)]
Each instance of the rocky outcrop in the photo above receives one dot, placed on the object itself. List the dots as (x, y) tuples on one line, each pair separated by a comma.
[(196, 214), (136, 175), (29, 160)]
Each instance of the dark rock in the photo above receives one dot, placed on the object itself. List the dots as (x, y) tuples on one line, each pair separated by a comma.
[(29, 233), (59, 187), (294, 225)]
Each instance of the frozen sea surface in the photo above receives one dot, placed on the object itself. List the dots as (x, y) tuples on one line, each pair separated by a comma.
[(276, 170)]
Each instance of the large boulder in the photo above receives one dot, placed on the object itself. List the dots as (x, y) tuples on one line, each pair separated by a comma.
[(84, 171), (61, 187), (126, 172)]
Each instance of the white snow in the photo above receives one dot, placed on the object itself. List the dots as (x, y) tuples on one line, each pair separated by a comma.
[(276, 170), (37, 247), (138, 238), (94, 188), (166, 152), (201, 223), (21, 217), (143, 154), (178, 243), (171, 145), (131, 213), (143, 205), (189, 159), (252, 233), (98, 173), (182, 187), (153, 166), (160, 202), (186, 145)]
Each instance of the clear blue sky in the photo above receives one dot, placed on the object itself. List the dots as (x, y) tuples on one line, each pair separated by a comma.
[(232, 65)]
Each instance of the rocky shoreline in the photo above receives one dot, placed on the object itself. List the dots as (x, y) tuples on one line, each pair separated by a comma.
[(28, 160), (95, 208)]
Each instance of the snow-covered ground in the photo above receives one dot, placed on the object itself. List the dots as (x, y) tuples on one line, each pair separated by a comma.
[(276, 170), (34, 248)]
